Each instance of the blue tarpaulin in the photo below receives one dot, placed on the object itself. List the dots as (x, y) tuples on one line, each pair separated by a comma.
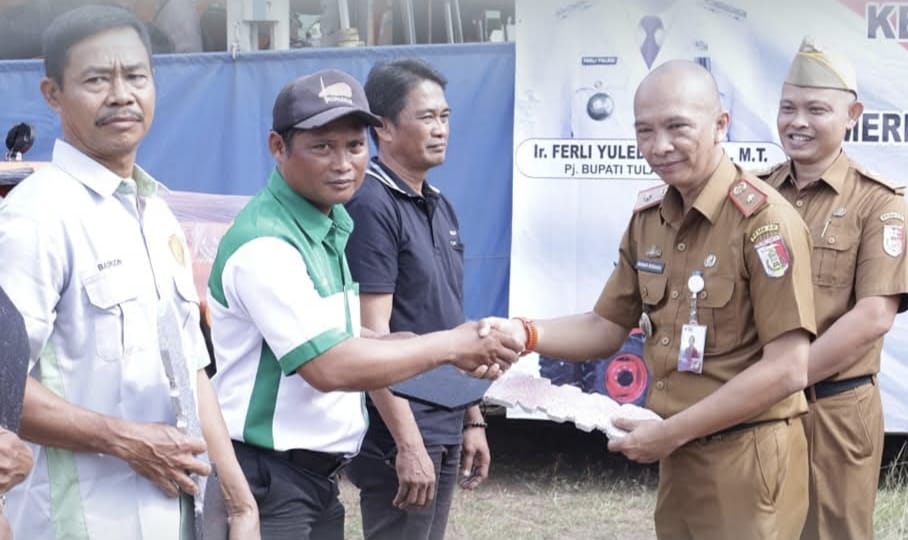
[(214, 113)]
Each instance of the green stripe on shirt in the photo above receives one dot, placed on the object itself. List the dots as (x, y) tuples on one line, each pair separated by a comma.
[(67, 511)]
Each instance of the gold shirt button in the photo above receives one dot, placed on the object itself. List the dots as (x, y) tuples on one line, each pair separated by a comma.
[(665, 340), (660, 385), (799, 203), (681, 246), (675, 293), (830, 240), (703, 295)]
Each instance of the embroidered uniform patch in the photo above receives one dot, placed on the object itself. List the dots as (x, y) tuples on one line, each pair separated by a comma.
[(774, 255), (893, 240), (176, 249), (768, 228)]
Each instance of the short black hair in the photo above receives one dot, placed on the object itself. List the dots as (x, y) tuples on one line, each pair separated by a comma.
[(287, 135), (79, 24), (389, 84)]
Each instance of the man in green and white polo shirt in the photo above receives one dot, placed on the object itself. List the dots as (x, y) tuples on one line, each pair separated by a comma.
[(285, 316)]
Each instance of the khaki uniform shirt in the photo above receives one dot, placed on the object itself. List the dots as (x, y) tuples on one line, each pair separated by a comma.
[(753, 251), (857, 223)]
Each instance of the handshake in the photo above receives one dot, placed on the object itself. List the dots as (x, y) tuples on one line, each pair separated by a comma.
[(487, 348)]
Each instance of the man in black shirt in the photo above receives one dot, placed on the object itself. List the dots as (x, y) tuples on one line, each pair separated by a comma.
[(406, 254)]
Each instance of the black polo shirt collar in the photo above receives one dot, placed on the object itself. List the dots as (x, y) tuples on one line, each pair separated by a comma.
[(386, 176)]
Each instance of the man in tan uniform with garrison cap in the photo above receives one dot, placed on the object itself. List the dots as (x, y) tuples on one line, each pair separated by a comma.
[(857, 222), (717, 255)]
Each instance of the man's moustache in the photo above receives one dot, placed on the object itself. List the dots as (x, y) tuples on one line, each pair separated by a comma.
[(107, 118)]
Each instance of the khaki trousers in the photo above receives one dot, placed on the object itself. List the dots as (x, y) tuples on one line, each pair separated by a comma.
[(845, 445), (749, 484)]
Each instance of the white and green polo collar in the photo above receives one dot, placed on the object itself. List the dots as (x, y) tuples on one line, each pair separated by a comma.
[(309, 218)]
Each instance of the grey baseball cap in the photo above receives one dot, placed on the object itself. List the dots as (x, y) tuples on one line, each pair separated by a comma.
[(312, 101)]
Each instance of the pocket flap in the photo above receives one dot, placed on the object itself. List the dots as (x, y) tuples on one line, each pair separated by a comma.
[(109, 288), (717, 291), (834, 241), (652, 287)]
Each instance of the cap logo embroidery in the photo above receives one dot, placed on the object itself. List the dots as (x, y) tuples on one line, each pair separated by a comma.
[(339, 91)]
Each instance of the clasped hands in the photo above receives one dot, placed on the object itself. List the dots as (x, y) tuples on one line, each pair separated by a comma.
[(647, 440), (487, 348)]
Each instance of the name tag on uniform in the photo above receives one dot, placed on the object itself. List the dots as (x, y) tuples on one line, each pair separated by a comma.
[(653, 267)]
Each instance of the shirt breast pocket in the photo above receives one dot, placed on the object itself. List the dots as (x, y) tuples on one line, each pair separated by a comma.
[(652, 293), (834, 259), (718, 313), (113, 312), (652, 288)]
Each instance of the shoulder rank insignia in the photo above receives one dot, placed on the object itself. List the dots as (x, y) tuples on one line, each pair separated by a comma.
[(879, 179), (650, 197), (746, 197)]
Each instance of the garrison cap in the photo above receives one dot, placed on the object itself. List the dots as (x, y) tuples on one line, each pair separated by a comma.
[(816, 66)]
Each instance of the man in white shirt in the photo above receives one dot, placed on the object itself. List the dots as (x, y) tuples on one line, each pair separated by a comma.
[(92, 256)]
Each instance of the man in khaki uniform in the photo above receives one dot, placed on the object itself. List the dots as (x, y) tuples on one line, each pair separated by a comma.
[(857, 222), (719, 244)]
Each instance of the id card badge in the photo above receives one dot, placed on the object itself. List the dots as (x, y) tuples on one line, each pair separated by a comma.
[(693, 344)]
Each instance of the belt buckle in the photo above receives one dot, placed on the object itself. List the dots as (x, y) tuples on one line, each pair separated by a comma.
[(811, 393), (341, 463)]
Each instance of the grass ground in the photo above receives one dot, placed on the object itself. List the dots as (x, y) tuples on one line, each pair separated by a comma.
[(553, 482)]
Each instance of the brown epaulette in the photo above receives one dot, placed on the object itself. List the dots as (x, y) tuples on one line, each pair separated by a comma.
[(746, 197), (879, 179), (650, 197)]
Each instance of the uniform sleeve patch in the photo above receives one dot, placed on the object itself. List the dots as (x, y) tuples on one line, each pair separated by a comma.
[(894, 240), (773, 255), (764, 229), (892, 215)]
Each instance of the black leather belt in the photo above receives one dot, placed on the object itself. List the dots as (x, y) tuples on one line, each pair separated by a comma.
[(826, 389), (719, 435), (323, 463)]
